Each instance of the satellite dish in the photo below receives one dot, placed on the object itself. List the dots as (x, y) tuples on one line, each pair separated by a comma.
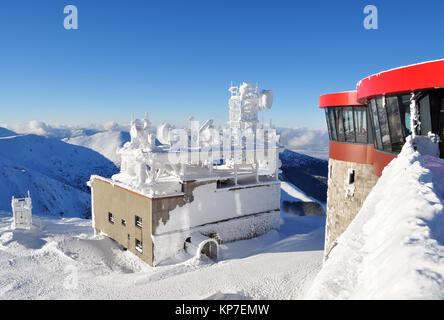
[(163, 133), (266, 99)]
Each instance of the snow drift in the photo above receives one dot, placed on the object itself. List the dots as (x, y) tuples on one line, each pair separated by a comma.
[(394, 248)]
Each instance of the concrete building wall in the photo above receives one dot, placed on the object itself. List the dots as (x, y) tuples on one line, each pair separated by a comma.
[(123, 204), (345, 199), (202, 206), (204, 203)]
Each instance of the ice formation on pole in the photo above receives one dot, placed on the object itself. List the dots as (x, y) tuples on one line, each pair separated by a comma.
[(22, 212)]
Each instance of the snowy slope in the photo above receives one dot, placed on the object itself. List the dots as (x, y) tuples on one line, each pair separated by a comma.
[(6, 132), (53, 171), (106, 143), (306, 173), (45, 262), (394, 248), (295, 201)]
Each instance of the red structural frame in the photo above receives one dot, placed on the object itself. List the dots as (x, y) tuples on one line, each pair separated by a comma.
[(427, 75)]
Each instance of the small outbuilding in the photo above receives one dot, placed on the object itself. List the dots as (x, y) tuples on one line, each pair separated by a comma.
[(22, 212)]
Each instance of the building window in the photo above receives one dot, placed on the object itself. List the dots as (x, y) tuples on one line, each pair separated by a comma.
[(138, 222), (339, 124), (391, 118), (376, 125), (328, 125), (351, 176), (404, 105), (331, 121), (383, 124), (349, 127), (139, 246), (361, 125), (123, 222), (395, 125), (110, 217), (348, 124), (225, 183)]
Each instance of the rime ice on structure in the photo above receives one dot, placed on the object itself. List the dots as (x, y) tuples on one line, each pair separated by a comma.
[(185, 186), (245, 104), (22, 212), (146, 164)]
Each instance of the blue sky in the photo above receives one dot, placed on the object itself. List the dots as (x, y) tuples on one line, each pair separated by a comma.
[(176, 59)]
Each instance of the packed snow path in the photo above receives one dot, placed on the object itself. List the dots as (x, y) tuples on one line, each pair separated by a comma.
[(45, 262), (394, 248)]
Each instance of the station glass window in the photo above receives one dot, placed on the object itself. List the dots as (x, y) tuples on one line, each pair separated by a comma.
[(328, 123), (348, 124), (376, 124), (360, 124), (332, 127), (349, 128), (391, 119), (395, 125), (383, 124), (339, 124), (404, 102)]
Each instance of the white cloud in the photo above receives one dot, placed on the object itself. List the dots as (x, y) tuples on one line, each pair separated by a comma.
[(41, 128), (313, 142)]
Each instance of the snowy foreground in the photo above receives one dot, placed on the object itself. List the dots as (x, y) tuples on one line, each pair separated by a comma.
[(394, 249), (45, 262)]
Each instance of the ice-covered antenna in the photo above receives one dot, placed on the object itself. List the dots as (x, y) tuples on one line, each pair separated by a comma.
[(132, 118)]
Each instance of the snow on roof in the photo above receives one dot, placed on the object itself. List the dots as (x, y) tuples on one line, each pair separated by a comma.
[(393, 249), (397, 68)]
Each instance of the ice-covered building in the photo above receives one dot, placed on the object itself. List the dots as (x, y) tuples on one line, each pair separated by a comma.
[(368, 128), (22, 212), (193, 188)]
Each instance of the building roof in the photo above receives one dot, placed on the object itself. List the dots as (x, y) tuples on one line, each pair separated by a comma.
[(426, 75), (348, 98)]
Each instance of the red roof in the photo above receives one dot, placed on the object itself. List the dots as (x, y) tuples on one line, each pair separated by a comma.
[(348, 98), (427, 75)]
